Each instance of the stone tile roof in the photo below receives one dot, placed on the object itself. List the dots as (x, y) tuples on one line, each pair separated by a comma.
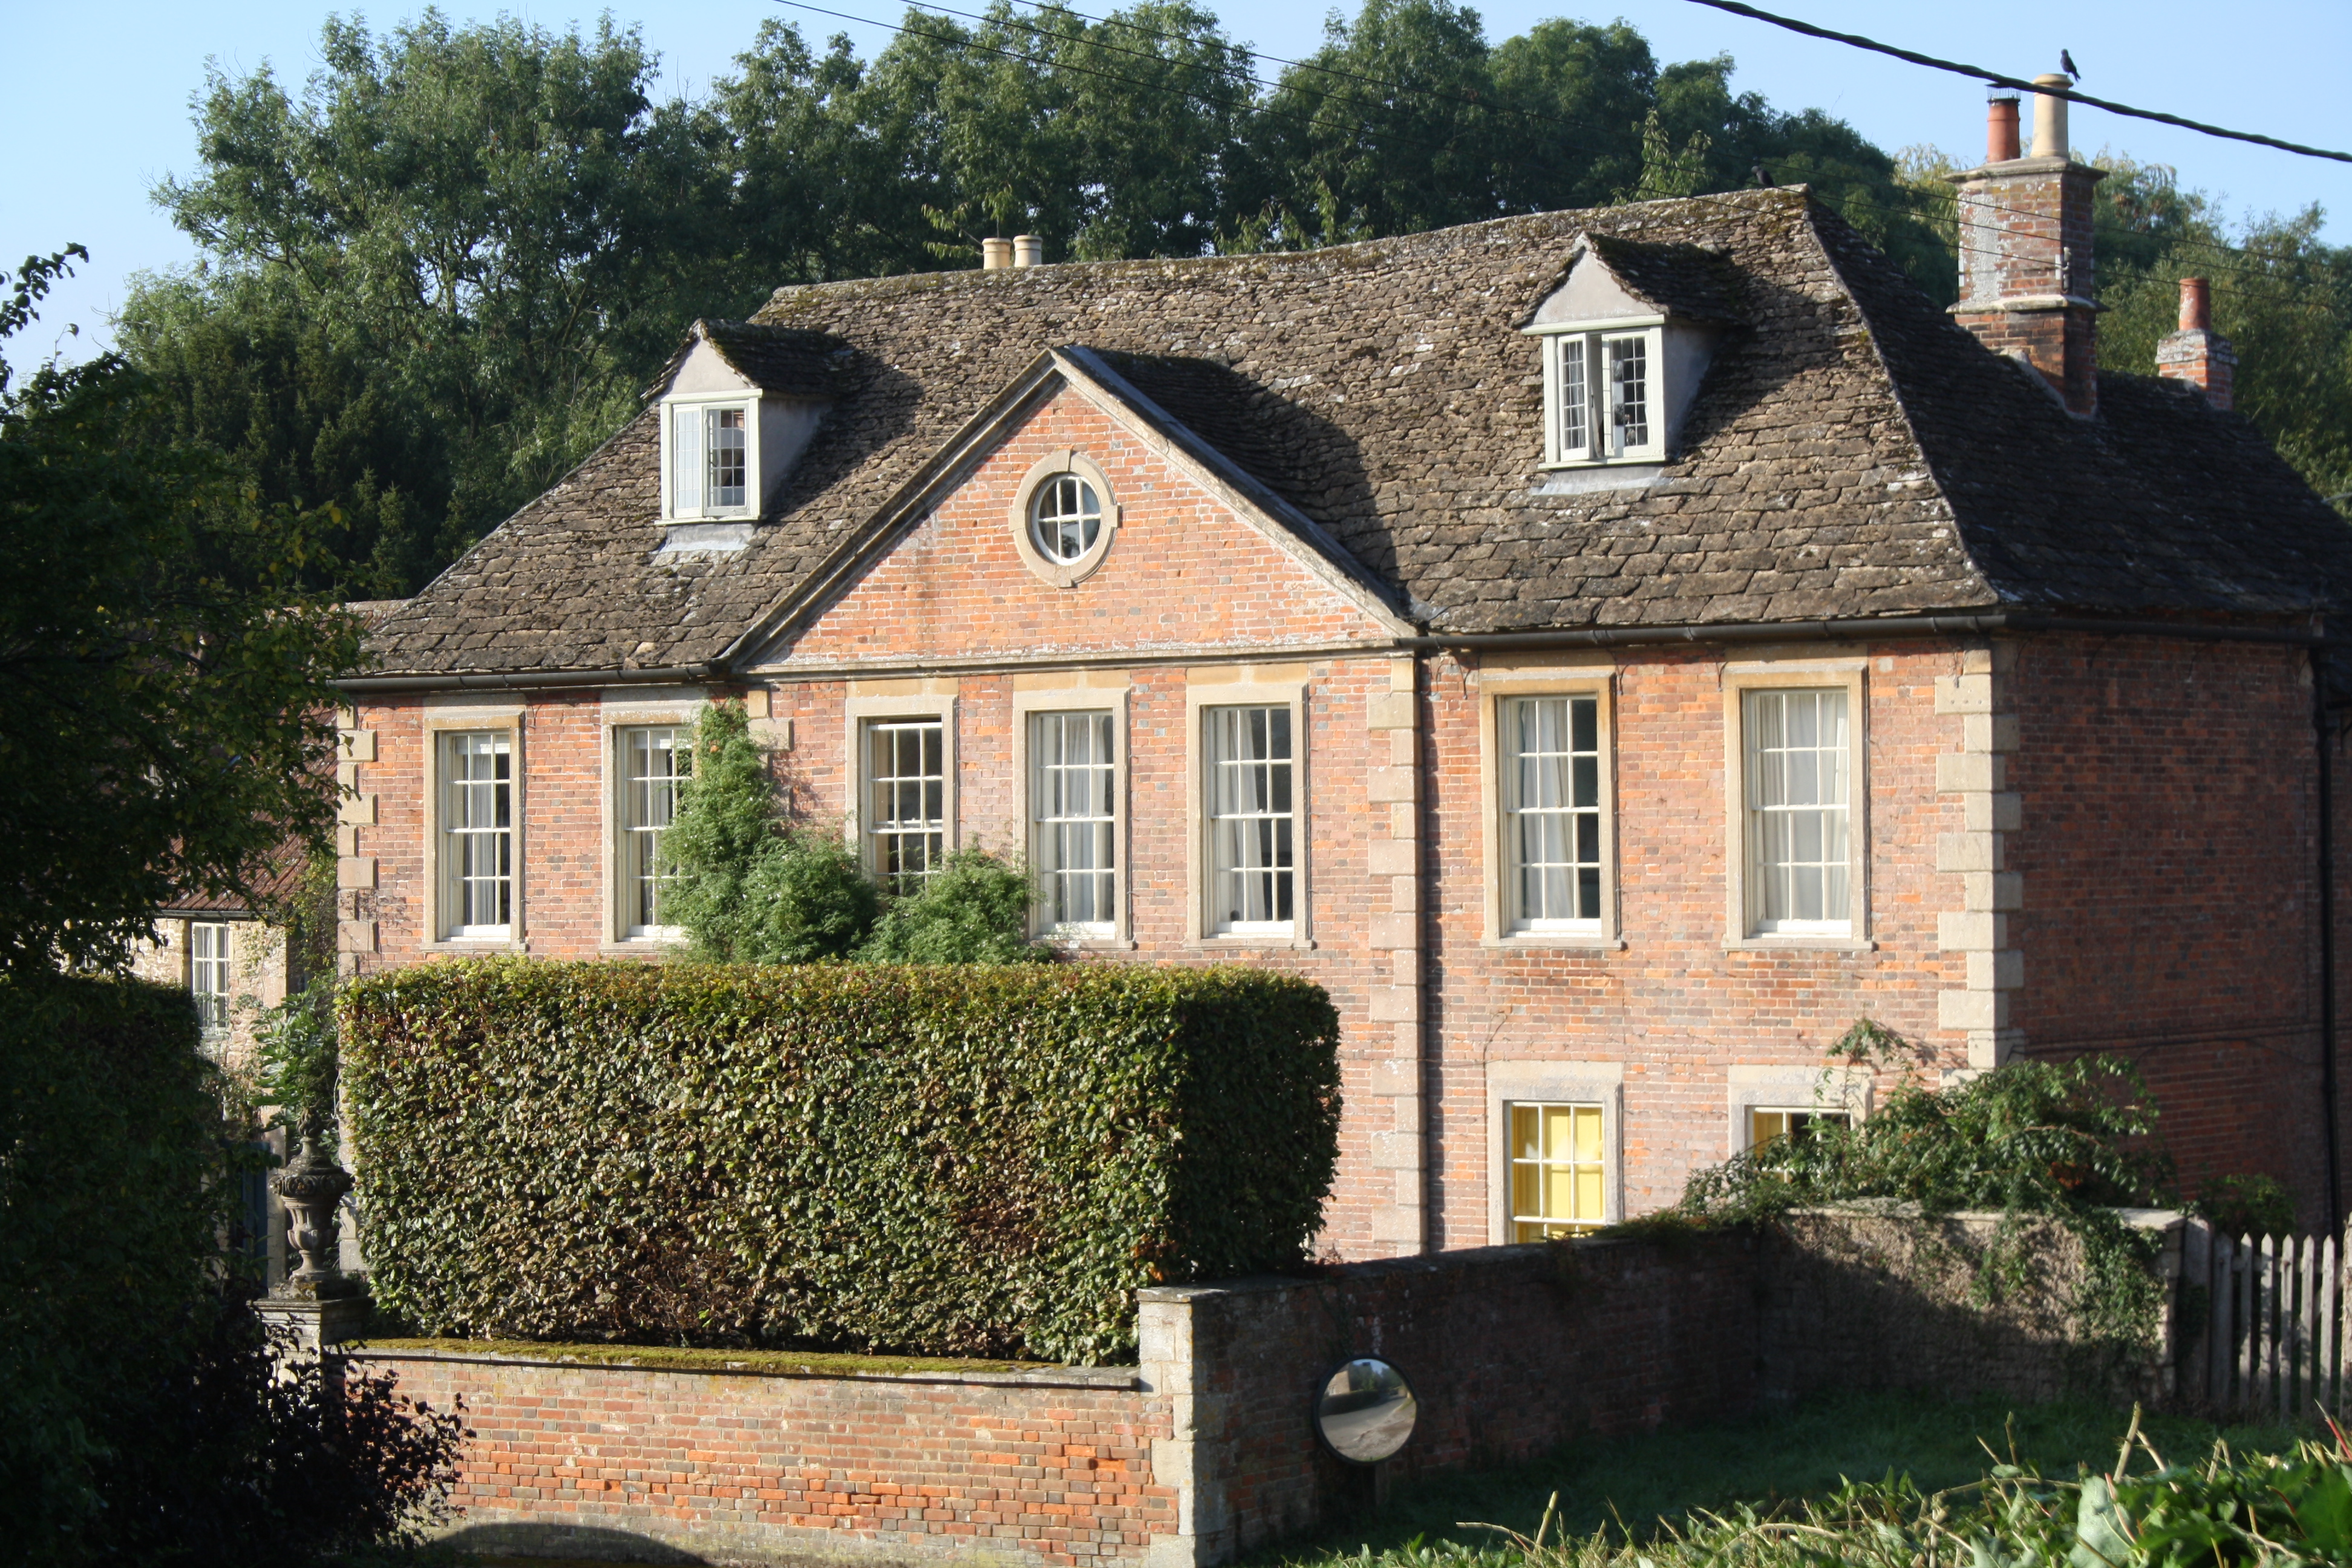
[(775, 359), (1851, 452)]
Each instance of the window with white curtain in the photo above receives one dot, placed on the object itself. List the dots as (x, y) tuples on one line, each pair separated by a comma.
[(656, 761), (709, 458), (208, 968), (1602, 392), (906, 799), (1551, 812), (1074, 821), (1799, 801), (476, 849), (1252, 852)]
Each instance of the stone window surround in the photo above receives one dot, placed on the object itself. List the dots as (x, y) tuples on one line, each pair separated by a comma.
[(439, 721), (1081, 691), (1795, 673), (680, 708), (918, 698), (1580, 675), (1510, 1083), (1244, 685), (1064, 573), (1831, 1086)]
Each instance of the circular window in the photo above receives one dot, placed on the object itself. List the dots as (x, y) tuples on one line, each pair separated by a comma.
[(1065, 518)]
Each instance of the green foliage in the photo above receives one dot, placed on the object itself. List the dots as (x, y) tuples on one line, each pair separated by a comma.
[(747, 885), (750, 886), (108, 1134), (2247, 1205), (296, 1051), (2276, 1509), (973, 910), (164, 707), (2069, 1140), (941, 1160)]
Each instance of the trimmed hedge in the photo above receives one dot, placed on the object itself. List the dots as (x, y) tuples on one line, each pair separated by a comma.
[(945, 1161), (110, 1151)]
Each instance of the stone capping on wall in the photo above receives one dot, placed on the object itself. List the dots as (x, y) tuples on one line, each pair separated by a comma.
[(1115, 1377)]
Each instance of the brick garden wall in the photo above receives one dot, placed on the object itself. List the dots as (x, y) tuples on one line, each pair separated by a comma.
[(1049, 1467), (1206, 1448)]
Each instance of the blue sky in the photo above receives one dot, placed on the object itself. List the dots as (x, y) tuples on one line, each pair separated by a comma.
[(99, 95)]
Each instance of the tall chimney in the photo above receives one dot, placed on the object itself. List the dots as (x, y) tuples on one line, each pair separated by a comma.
[(1028, 250), (2196, 353), (995, 255), (2026, 276)]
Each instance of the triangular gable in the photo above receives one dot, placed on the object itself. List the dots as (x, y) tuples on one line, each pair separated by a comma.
[(1610, 278), (1085, 374)]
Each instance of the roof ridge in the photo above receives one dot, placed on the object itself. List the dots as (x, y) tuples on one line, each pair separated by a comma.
[(1341, 254)]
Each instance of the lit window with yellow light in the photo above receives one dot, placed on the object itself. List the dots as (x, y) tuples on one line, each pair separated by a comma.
[(1767, 1124), (1557, 1171)]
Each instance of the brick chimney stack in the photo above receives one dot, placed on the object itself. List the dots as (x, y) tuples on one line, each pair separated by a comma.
[(2196, 353), (2026, 278)]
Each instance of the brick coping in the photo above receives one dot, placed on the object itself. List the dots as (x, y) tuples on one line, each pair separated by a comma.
[(1112, 1377)]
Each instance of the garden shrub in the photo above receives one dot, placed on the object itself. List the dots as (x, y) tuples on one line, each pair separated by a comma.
[(973, 910), (109, 1145), (2068, 1141), (143, 1417), (949, 1160)]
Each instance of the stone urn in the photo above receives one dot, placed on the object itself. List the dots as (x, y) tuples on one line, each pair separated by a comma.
[(310, 1186)]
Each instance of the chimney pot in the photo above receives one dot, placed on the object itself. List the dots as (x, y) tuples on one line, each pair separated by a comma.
[(2196, 305), (2196, 353), (2000, 126), (995, 255), (1028, 250), (2049, 116)]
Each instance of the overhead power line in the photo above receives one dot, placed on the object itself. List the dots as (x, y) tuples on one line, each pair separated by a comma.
[(1959, 69)]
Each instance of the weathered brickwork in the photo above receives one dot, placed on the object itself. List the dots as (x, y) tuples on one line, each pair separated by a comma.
[(2167, 854), (1053, 1468)]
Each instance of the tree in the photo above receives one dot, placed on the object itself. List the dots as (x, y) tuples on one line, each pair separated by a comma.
[(496, 218), (164, 689)]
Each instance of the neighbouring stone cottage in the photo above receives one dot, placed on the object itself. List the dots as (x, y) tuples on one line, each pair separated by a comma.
[(1610, 650)]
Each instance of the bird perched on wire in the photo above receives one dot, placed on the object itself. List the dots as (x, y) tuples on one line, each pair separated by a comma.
[(1764, 180), (2066, 64)]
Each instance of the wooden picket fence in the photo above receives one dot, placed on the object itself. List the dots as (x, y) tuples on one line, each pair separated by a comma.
[(2273, 1345)]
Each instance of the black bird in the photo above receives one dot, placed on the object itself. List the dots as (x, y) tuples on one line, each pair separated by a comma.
[(2066, 64), (1764, 182)]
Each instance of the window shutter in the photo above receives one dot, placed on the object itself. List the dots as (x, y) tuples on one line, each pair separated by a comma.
[(685, 461)]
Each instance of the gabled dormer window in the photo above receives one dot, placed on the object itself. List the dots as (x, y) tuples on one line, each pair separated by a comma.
[(1601, 394), (1627, 333), (710, 452)]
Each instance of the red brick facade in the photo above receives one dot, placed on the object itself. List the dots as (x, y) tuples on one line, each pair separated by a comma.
[(2065, 843)]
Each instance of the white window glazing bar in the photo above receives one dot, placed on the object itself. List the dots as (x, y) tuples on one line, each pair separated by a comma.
[(655, 763), (1074, 835), (1799, 801), (209, 971), (1552, 811), (1252, 820), (906, 799), (478, 834)]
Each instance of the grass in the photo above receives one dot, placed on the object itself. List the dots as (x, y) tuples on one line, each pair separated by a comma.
[(1632, 1483), (664, 1358)]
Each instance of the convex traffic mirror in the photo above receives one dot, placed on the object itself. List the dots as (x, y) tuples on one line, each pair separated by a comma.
[(1365, 1411)]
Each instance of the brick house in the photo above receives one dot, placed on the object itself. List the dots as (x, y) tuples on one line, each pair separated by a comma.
[(1613, 651)]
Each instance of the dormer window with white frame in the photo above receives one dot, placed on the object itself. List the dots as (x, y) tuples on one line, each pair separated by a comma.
[(1626, 337), (1601, 394), (711, 452), (739, 402)]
